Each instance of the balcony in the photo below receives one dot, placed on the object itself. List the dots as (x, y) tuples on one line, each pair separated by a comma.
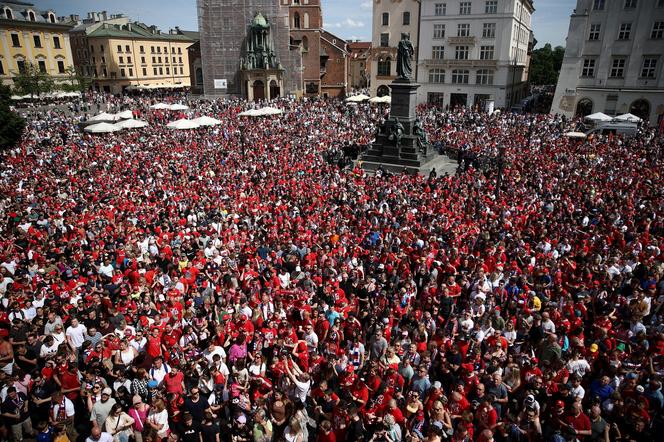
[(452, 64), (461, 40)]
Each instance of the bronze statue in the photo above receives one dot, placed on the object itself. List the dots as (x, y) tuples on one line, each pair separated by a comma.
[(405, 54), (396, 132), (420, 133)]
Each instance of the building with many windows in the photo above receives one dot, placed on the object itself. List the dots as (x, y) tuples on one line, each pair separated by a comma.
[(391, 19), (613, 60), (32, 36), (474, 52), (135, 55)]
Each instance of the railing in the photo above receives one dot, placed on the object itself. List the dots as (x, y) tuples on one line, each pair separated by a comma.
[(460, 63), (470, 40)]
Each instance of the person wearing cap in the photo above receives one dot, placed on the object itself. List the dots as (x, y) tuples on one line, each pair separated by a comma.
[(102, 408)]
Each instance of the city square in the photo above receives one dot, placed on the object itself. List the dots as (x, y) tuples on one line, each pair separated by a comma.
[(266, 230)]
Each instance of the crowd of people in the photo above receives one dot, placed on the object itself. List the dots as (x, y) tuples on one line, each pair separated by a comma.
[(230, 284)]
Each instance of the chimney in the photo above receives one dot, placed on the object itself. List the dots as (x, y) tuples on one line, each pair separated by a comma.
[(104, 16)]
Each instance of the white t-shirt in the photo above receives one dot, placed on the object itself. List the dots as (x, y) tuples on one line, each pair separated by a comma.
[(302, 389), (216, 351), (76, 335), (104, 437), (159, 418)]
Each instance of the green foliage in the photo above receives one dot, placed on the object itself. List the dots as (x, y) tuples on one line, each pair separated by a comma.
[(545, 65), (76, 81), (32, 81), (12, 125)]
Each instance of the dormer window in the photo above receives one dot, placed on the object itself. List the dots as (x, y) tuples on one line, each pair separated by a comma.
[(51, 18), (31, 16), (8, 14)]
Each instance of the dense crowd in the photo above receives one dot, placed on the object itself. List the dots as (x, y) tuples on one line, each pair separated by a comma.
[(230, 284)]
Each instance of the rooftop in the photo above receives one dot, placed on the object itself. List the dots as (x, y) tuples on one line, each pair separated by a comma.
[(24, 12), (137, 30)]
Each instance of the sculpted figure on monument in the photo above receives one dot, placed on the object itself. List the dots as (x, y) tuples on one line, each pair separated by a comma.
[(405, 54), (396, 132)]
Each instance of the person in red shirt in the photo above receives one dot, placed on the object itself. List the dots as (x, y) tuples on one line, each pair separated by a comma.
[(174, 381), (154, 343), (486, 415), (578, 423)]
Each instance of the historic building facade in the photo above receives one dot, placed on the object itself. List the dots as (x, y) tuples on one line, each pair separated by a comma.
[(29, 35), (613, 60), (474, 53)]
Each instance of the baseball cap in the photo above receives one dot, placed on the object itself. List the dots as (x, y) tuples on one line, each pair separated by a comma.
[(107, 391)]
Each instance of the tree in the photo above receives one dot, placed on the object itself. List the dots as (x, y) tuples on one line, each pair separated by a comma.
[(545, 65), (12, 125), (32, 81), (76, 81)]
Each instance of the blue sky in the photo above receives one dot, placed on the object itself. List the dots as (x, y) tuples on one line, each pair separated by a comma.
[(346, 18)]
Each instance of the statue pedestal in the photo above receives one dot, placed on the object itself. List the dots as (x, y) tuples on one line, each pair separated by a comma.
[(407, 154)]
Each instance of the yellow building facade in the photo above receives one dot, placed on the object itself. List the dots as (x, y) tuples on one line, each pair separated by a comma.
[(135, 56), (29, 35)]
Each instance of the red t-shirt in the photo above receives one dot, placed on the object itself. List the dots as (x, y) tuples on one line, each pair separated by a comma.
[(173, 382)]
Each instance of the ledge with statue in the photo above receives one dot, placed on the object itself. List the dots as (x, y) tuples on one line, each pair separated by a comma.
[(401, 141)]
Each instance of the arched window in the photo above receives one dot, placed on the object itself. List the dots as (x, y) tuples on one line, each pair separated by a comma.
[(305, 43), (382, 91), (640, 108), (306, 20), (296, 20), (51, 18), (460, 76), (31, 15), (8, 14), (584, 107), (385, 67)]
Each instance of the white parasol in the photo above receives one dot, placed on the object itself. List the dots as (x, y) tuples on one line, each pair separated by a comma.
[(183, 124), (101, 128), (628, 117), (103, 117), (131, 124), (598, 116), (124, 115), (178, 106), (160, 106), (207, 121)]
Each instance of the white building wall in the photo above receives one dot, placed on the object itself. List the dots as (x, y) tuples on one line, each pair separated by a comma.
[(512, 33), (607, 94)]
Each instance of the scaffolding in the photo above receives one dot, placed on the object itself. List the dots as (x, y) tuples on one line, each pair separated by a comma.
[(223, 26)]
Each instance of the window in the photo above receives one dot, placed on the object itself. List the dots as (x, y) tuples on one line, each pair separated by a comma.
[(131, 72), (460, 76), (181, 71), (122, 72), (168, 71), (101, 48), (154, 60), (145, 72), (406, 18), (15, 41), (180, 59), (489, 30), (165, 50), (386, 18), (463, 30), (161, 71), (142, 60), (154, 70), (630, 4), (179, 50), (588, 68), (128, 59), (464, 8), (121, 60), (486, 52), (657, 30), (104, 72), (484, 76), (127, 48), (56, 43), (594, 31), (437, 52), (617, 68), (598, 5), (158, 50), (461, 53), (32, 16), (103, 60), (491, 7), (384, 40), (152, 49), (20, 64), (625, 30), (649, 67), (438, 31), (42, 66), (159, 60), (436, 76), (119, 49), (173, 59), (51, 18), (385, 67), (440, 9), (37, 40), (142, 49), (8, 14)]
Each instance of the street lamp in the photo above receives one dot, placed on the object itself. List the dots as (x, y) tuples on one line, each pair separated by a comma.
[(501, 166)]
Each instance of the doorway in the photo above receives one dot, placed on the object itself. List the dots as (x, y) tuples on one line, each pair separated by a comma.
[(259, 90), (640, 108), (275, 91), (458, 100)]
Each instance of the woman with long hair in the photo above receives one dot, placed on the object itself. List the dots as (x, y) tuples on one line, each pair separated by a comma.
[(119, 424), (157, 422)]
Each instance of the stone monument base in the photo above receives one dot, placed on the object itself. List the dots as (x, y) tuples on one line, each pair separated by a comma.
[(409, 152)]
